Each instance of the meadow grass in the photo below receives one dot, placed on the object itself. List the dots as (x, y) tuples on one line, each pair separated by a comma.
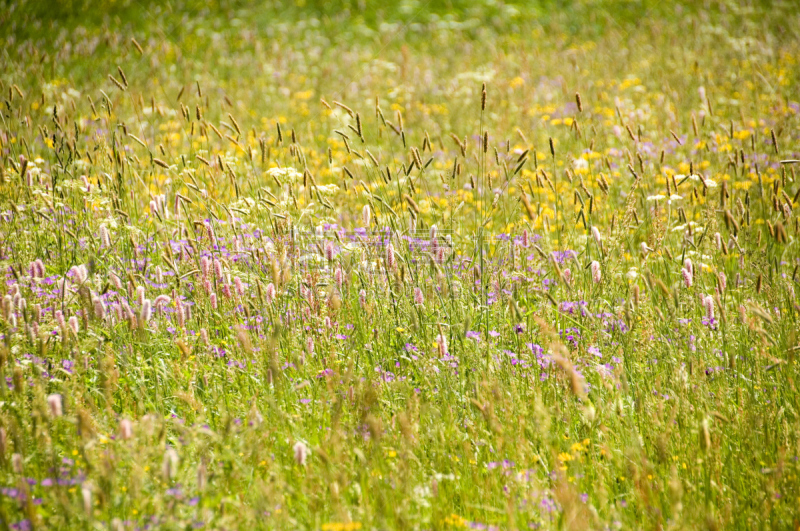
[(342, 265)]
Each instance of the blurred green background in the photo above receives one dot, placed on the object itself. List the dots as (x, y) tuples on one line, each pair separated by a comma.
[(38, 18)]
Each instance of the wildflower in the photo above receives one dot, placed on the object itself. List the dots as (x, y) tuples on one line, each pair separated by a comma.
[(310, 345), (687, 277), (708, 304), (329, 250), (440, 255), (365, 215), (181, 313), (596, 236), (419, 299), (99, 308), (270, 292), (204, 266), (213, 300), (54, 403), (125, 429), (596, 273), (146, 312), (34, 271), (105, 239), (239, 287), (79, 274), (362, 298), (217, 269), (73, 325), (301, 452), (390, 258)]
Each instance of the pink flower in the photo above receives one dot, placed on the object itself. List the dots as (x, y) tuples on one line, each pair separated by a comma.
[(218, 269), (708, 303), (125, 429), (105, 239), (596, 273), (419, 299), (181, 313), (270, 292), (596, 235), (440, 255), (99, 308), (390, 258), (54, 402), (205, 265), (687, 265), (239, 287), (301, 452), (687, 277)]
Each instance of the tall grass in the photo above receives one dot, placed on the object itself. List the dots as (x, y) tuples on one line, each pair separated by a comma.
[(491, 266)]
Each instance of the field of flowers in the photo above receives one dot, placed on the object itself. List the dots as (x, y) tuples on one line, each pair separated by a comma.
[(339, 266)]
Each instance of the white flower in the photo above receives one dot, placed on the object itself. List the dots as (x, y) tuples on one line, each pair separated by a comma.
[(290, 174)]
